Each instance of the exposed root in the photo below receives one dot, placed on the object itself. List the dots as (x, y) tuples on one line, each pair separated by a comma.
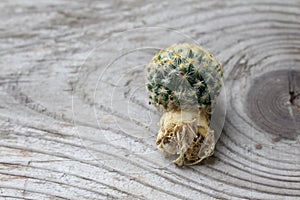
[(186, 134)]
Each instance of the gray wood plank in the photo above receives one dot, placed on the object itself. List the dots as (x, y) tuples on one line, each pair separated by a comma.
[(74, 127)]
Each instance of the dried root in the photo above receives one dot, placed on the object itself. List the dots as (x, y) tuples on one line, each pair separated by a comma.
[(186, 134)]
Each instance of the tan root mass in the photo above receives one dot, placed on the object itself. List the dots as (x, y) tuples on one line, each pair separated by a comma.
[(187, 134)]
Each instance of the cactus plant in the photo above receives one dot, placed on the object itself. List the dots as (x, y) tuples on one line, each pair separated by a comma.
[(183, 82)]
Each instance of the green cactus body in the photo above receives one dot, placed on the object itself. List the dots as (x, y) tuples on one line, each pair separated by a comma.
[(183, 82)]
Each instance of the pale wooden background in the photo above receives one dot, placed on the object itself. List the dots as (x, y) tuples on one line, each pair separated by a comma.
[(45, 155)]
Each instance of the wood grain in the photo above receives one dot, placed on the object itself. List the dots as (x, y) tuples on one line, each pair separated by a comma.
[(75, 126)]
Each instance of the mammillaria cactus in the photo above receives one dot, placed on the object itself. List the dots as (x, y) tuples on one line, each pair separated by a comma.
[(184, 81)]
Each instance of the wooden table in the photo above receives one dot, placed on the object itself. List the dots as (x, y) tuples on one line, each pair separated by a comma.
[(74, 126)]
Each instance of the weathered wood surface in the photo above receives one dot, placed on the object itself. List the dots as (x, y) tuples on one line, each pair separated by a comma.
[(59, 133)]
